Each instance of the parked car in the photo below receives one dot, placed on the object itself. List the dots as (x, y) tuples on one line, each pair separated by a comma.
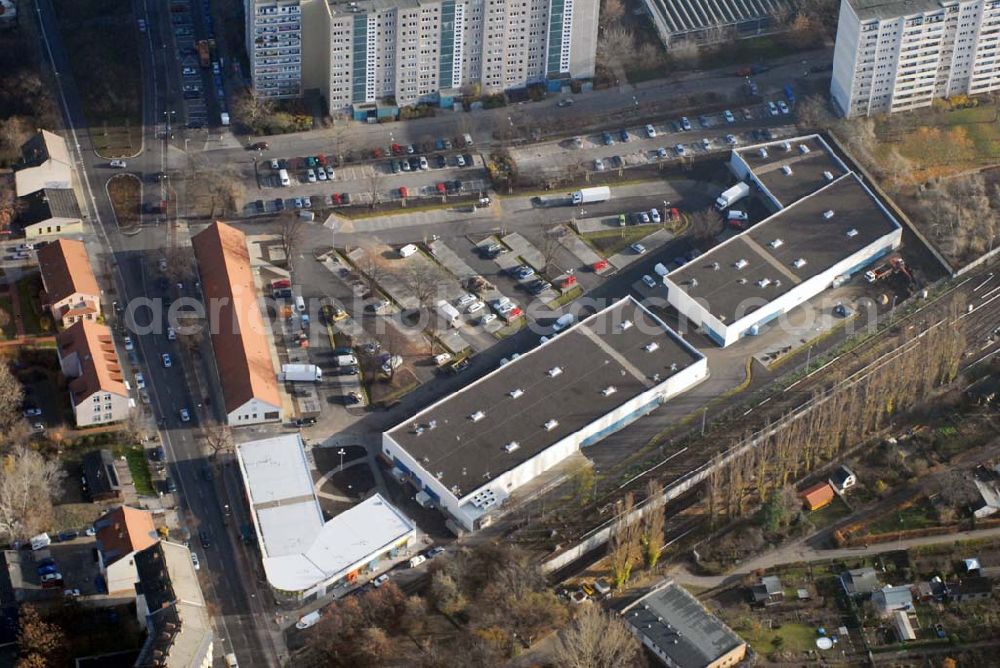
[(685, 123), (648, 280), (599, 165), (167, 362), (380, 580), (728, 115), (638, 249), (118, 164), (128, 343), (185, 415), (195, 561), (650, 130)]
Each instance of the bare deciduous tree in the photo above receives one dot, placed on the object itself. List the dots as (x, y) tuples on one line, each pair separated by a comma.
[(653, 522), (595, 639), (624, 546), (292, 231), (374, 187), (27, 486), (8, 201), (703, 225), (219, 437), (180, 264), (11, 396), (445, 594), (251, 110)]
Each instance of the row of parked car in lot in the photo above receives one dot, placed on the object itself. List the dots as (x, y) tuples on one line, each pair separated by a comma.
[(191, 63), (423, 163)]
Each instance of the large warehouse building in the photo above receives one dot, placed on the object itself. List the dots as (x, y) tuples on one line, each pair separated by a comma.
[(305, 555), (469, 452), (827, 226)]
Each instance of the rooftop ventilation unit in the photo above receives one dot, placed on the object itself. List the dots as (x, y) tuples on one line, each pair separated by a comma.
[(852, 233), (694, 282), (763, 152), (715, 266), (439, 475), (742, 281), (626, 324), (609, 390), (652, 346), (828, 214), (777, 243), (764, 282), (741, 263), (828, 176), (803, 149), (551, 424), (554, 371), (786, 145), (787, 170), (515, 393), (432, 424), (673, 366), (477, 416), (798, 264), (777, 282), (511, 447)]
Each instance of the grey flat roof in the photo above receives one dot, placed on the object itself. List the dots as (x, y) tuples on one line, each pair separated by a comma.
[(674, 621), (807, 169), (890, 9), (804, 233), (593, 355), (342, 7)]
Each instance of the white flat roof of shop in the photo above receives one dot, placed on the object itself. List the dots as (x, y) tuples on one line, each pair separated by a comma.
[(299, 549)]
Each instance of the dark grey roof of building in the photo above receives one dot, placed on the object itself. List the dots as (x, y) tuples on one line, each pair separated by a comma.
[(99, 470), (805, 233), (971, 586), (674, 621), (809, 168), (841, 475), (595, 354), (49, 203)]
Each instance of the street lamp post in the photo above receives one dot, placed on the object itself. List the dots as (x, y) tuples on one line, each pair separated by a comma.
[(341, 452)]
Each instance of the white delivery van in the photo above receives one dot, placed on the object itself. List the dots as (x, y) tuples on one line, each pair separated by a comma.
[(231, 661), (40, 542), (407, 250), (283, 177), (300, 304), (417, 560)]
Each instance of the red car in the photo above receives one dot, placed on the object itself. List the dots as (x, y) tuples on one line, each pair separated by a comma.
[(321, 159), (336, 198), (442, 188), (404, 192), (568, 281), (398, 150), (376, 153), (675, 215)]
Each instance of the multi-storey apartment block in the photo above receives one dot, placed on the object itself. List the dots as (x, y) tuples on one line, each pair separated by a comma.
[(274, 46), (412, 50), (897, 55)]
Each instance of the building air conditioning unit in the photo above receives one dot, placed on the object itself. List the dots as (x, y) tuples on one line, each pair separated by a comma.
[(609, 390), (511, 447), (828, 175), (828, 214), (554, 371), (787, 170), (777, 243), (652, 346), (798, 264), (741, 263), (763, 152), (551, 424), (764, 282), (851, 233), (515, 393), (625, 325), (477, 416), (803, 149), (786, 145)]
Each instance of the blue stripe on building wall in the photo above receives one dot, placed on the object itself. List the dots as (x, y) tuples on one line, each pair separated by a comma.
[(713, 335), (622, 422), (556, 9), (359, 54), (446, 50)]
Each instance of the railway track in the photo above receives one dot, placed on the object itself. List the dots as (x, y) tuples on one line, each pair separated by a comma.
[(980, 318)]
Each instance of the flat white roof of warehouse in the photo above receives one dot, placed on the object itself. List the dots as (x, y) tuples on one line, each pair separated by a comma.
[(300, 548), (521, 409)]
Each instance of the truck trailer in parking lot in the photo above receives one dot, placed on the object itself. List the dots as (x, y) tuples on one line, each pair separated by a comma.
[(449, 313), (732, 195), (588, 195), (301, 373)]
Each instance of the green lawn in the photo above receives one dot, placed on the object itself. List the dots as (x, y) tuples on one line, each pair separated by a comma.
[(836, 510), (917, 516), (27, 291), (138, 465), (611, 242), (794, 638), (103, 38)]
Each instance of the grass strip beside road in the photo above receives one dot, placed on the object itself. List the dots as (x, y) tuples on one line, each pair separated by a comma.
[(102, 43), (28, 289), (607, 243), (138, 466)]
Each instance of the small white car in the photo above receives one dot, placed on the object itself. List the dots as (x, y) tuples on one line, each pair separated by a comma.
[(475, 307), (321, 174), (654, 215), (329, 172), (599, 165), (380, 580), (650, 131), (466, 299), (275, 165), (648, 280), (167, 362), (424, 164), (118, 164), (706, 143), (772, 108), (171, 334), (638, 249), (731, 140), (140, 382), (128, 343), (33, 412), (308, 620), (487, 318), (71, 593), (311, 175), (783, 107), (728, 115), (52, 577), (195, 561), (681, 151), (185, 415), (460, 160)]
